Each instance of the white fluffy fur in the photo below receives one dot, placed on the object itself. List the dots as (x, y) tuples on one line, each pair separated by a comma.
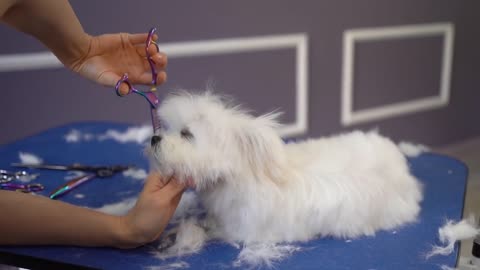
[(139, 174), (257, 189), (452, 232), (75, 136), (190, 238), (138, 134), (412, 150), (264, 254), (170, 266), (132, 134), (29, 158)]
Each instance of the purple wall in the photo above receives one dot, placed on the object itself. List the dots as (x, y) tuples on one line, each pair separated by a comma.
[(385, 71)]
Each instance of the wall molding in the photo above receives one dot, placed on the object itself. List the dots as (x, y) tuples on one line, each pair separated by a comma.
[(298, 42), (349, 116)]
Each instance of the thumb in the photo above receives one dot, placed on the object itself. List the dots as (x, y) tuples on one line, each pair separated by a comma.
[(155, 182), (172, 188), (111, 79)]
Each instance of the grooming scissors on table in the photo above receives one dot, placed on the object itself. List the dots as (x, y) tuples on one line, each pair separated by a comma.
[(150, 96), (6, 178), (91, 172)]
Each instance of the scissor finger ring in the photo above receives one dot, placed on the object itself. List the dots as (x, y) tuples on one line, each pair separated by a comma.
[(124, 79)]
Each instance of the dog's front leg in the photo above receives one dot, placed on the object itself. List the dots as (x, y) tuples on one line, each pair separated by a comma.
[(186, 238)]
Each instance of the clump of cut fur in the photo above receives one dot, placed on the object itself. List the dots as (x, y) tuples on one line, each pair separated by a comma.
[(452, 232), (29, 158), (412, 150)]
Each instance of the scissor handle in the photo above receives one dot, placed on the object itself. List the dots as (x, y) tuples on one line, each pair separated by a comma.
[(124, 79), (67, 187), (149, 57), (23, 188), (7, 176), (34, 187), (148, 95)]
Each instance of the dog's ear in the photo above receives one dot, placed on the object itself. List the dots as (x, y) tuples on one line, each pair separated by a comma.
[(262, 148)]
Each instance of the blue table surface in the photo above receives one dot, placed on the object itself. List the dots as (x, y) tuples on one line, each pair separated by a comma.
[(444, 181)]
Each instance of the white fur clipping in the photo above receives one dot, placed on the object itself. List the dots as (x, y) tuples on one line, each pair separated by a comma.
[(139, 174), (119, 208), (73, 174), (263, 254), (452, 232), (412, 150), (132, 134), (444, 267), (29, 158), (74, 136), (170, 266)]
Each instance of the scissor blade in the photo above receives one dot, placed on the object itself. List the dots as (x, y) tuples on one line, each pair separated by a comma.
[(152, 99), (156, 123), (42, 166)]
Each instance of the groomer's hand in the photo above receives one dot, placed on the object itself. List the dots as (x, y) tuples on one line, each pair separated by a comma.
[(108, 57), (103, 59), (154, 208)]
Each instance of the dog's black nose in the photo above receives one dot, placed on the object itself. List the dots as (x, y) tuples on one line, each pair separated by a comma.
[(155, 139)]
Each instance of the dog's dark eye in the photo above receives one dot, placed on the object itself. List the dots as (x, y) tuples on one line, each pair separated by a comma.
[(186, 134)]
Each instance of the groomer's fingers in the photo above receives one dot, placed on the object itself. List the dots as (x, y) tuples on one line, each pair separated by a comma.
[(160, 59), (110, 79), (141, 50), (168, 186), (160, 63), (140, 38), (146, 78), (152, 50), (161, 77), (172, 188), (123, 89), (156, 181)]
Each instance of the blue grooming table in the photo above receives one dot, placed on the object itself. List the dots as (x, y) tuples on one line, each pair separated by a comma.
[(444, 181)]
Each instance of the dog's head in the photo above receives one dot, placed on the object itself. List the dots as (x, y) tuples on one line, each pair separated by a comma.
[(204, 140)]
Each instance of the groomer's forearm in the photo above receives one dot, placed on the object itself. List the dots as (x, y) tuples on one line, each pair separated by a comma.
[(31, 220), (53, 22)]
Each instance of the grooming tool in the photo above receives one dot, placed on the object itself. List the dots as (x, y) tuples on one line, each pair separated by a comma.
[(150, 96), (26, 188), (7, 176), (91, 172)]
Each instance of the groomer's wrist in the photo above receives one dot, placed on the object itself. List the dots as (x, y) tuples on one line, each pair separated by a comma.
[(123, 236), (127, 235), (73, 54)]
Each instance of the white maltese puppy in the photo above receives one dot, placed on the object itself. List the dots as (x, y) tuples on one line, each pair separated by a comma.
[(257, 189)]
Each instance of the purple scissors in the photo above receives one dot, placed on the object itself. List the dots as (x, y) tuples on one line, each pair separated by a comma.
[(27, 188), (90, 173), (150, 96)]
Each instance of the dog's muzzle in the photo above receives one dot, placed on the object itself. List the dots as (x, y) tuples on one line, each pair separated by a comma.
[(155, 139)]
